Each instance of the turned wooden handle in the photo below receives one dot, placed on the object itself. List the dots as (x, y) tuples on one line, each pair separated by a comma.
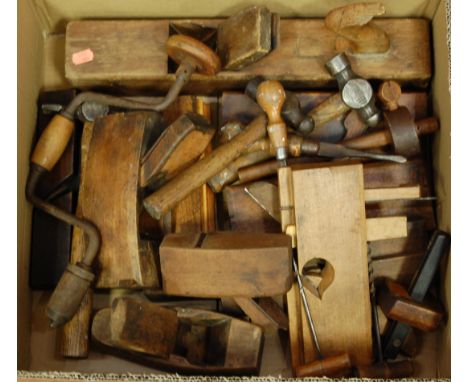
[(389, 93), (427, 125), (271, 97), (328, 110), (162, 200), (53, 142), (325, 367), (182, 48)]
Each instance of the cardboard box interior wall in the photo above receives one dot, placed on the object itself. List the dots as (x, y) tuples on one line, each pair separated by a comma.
[(41, 27)]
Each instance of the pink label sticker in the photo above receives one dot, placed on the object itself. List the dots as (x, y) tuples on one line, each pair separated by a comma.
[(82, 57)]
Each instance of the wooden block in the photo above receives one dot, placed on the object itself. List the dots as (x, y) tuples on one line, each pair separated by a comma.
[(330, 222), (219, 344), (299, 57), (392, 193), (245, 37), (140, 326), (197, 211), (121, 50), (400, 268), (386, 228), (226, 264), (296, 341), (179, 145), (256, 313), (275, 311), (110, 200)]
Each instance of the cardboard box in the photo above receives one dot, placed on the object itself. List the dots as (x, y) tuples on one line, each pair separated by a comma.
[(41, 28)]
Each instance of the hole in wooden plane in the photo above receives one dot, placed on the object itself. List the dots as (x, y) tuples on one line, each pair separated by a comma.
[(317, 269)]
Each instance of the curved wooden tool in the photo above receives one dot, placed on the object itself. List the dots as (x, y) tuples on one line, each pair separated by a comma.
[(356, 32), (271, 97), (166, 197)]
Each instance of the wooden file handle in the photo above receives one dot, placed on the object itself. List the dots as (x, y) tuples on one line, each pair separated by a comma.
[(384, 137), (166, 197), (53, 142), (185, 49), (271, 97), (328, 110)]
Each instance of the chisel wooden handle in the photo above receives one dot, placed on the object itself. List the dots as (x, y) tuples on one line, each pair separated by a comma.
[(162, 200), (53, 142)]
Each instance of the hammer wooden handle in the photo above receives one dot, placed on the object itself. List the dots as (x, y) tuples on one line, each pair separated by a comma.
[(53, 142), (384, 137), (328, 110), (166, 197)]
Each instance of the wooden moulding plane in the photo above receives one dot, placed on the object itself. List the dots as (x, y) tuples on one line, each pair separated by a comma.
[(178, 339), (299, 54)]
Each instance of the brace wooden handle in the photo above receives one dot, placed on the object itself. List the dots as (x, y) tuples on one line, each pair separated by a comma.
[(182, 48), (325, 367), (328, 110), (53, 142), (271, 97), (161, 201)]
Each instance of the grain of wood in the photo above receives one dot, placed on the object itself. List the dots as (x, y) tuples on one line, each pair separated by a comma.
[(391, 227), (392, 193), (296, 342), (330, 222), (256, 313)]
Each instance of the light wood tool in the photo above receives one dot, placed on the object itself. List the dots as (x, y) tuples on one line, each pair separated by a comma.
[(198, 341), (246, 37), (166, 197), (298, 58), (356, 32), (226, 264)]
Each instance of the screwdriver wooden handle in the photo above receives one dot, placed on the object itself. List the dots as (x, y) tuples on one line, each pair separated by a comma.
[(166, 197), (271, 97), (53, 142), (325, 367), (328, 110)]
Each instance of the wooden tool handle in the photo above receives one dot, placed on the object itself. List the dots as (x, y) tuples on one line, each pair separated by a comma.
[(271, 97), (389, 93), (392, 370), (427, 125), (182, 48), (75, 333), (328, 110), (325, 367), (161, 201), (53, 142)]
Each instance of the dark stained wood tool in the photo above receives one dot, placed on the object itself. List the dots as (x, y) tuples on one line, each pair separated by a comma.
[(179, 145), (226, 264), (355, 29), (396, 304), (51, 238), (397, 332), (204, 343), (74, 338), (166, 197), (297, 58), (399, 369), (245, 37)]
